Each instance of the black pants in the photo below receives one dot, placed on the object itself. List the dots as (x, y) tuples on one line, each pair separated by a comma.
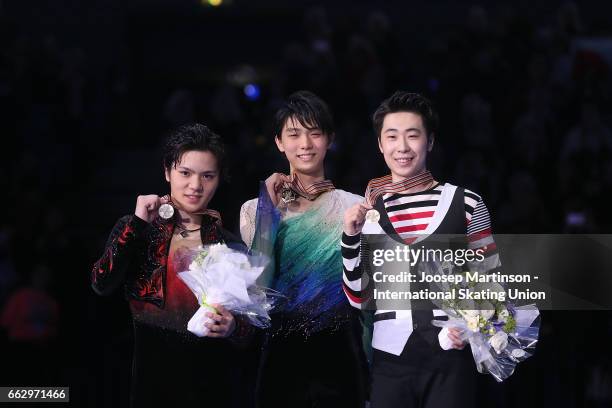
[(423, 376), (181, 370), (327, 369)]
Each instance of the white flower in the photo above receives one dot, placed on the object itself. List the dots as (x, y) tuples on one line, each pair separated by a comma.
[(518, 353), (472, 322), (218, 250), (499, 341), (469, 313)]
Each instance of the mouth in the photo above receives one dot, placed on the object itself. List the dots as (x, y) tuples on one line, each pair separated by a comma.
[(306, 156), (192, 198), (404, 161)]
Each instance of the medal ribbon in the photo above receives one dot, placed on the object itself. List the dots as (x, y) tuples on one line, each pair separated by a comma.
[(312, 191), (206, 211), (383, 185)]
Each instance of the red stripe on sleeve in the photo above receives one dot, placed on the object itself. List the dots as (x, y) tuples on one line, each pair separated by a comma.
[(351, 296), (479, 235)]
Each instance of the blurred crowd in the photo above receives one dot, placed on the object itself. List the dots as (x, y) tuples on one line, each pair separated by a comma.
[(524, 101)]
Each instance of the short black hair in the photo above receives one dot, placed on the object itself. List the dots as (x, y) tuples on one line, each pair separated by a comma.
[(402, 101), (194, 137), (310, 110)]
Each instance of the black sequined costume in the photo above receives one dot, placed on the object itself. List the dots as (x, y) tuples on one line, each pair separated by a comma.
[(170, 365)]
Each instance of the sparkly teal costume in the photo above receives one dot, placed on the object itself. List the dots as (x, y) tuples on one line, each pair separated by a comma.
[(307, 267)]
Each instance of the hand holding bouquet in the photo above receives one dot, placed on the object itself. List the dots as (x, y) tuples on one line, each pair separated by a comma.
[(500, 333)]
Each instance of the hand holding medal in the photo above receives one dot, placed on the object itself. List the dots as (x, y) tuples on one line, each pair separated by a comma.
[(149, 206), (356, 216), (286, 189), (275, 184)]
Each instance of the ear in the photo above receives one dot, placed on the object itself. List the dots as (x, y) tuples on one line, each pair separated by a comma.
[(279, 144), (430, 142), (380, 146), (167, 174)]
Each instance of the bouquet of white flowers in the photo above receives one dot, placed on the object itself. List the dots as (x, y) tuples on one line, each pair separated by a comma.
[(220, 275), (500, 333)]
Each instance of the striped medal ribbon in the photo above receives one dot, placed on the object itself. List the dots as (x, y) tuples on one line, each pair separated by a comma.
[(383, 185), (289, 191)]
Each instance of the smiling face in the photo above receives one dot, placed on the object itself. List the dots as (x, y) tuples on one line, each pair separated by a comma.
[(404, 144), (304, 147), (193, 180)]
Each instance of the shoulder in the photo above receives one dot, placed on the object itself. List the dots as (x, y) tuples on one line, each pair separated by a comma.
[(249, 208), (473, 201), (471, 198), (475, 208), (471, 195), (348, 199), (126, 218)]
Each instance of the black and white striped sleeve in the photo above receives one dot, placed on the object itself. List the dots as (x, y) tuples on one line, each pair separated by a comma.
[(480, 234), (352, 271)]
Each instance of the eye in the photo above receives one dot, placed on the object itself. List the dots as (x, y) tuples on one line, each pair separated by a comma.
[(316, 134), (209, 176), (391, 137), (184, 173)]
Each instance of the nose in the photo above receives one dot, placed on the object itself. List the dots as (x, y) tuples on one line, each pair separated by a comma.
[(305, 142), (195, 183), (403, 145)]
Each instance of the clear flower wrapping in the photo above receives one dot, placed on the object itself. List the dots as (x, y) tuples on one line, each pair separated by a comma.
[(499, 333), (220, 275)]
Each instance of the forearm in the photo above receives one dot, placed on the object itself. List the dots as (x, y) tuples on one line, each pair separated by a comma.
[(352, 272), (110, 270)]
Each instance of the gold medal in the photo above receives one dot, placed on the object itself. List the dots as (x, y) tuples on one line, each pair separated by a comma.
[(166, 211), (288, 195), (372, 216)]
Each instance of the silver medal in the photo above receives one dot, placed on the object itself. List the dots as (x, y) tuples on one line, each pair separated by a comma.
[(372, 216), (166, 211)]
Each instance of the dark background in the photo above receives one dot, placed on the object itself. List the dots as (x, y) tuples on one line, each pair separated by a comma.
[(88, 89)]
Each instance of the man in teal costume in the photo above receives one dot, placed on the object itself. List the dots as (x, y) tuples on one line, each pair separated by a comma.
[(312, 356)]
